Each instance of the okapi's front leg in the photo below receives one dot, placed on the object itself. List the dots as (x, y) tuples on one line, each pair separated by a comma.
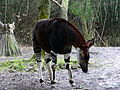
[(67, 61), (39, 62)]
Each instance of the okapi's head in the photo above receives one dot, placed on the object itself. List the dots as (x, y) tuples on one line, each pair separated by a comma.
[(83, 55)]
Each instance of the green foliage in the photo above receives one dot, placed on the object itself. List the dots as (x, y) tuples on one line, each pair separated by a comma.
[(30, 65), (44, 9), (17, 65), (82, 12), (12, 65), (60, 64), (82, 9), (106, 13), (24, 13)]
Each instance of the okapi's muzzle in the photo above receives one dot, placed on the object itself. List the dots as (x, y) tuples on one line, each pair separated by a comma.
[(84, 66)]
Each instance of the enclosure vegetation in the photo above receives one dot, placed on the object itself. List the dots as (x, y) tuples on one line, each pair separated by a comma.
[(30, 65), (94, 18), (105, 14), (99, 19), (8, 43)]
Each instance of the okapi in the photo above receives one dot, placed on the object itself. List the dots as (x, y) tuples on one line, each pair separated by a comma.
[(57, 36)]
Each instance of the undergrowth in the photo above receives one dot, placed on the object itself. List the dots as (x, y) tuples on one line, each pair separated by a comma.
[(30, 65)]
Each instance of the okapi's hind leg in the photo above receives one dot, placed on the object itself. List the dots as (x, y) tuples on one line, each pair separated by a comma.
[(37, 51), (67, 61), (39, 63), (54, 62), (48, 64)]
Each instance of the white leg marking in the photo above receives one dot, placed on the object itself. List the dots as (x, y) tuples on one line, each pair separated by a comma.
[(70, 74), (67, 60), (39, 63), (49, 70), (38, 57), (40, 70), (47, 55), (66, 55)]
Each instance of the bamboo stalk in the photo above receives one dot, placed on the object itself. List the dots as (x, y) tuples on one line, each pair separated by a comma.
[(104, 23)]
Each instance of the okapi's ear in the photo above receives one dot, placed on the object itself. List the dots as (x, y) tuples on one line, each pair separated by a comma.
[(90, 43)]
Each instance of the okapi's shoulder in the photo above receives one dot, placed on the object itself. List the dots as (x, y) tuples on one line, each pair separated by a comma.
[(65, 21), (59, 20), (43, 21), (55, 20), (72, 28), (48, 20)]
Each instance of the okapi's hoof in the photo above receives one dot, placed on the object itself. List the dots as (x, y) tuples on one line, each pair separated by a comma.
[(72, 83), (53, 84), (41, 81)]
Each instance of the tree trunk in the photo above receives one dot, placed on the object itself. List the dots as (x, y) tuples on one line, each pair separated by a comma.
[(44, 13), (44, 9), (64, 9), (8, 43)]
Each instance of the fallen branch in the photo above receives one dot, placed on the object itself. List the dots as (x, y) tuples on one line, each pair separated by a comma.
[(101, 38), (57, 3)]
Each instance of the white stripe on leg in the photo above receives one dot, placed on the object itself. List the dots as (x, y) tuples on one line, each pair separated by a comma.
[(39, 63), (49, 70), (67, 61), (66, 56), (48, 64), (40, 70), (70, 74)]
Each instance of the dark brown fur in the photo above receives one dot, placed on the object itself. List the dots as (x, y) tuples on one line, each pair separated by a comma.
[(57, 35)]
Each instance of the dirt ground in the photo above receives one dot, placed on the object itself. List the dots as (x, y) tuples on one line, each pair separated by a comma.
[(103, 74)]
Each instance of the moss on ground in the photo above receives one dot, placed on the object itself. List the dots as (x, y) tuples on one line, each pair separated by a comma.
[(30, 65)]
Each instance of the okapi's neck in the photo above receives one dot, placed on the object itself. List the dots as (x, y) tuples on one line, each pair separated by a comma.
[(80, 41)]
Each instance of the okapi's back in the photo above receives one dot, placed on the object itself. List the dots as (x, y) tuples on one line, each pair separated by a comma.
[(57, 35)]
